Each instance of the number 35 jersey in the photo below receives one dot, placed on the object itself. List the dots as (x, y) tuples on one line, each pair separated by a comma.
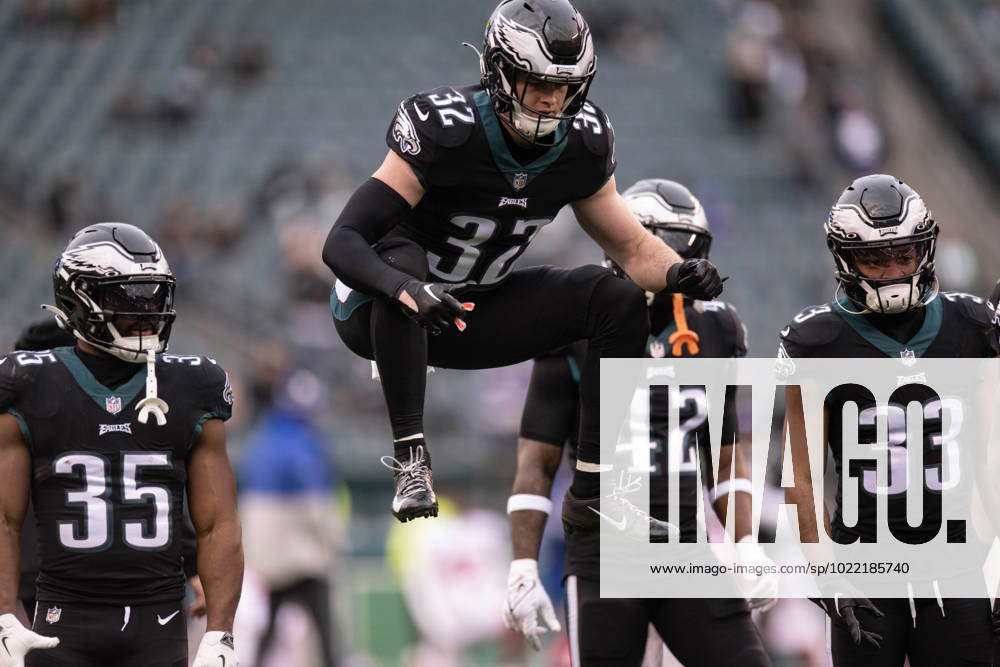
[(482, 207), (108, 490)]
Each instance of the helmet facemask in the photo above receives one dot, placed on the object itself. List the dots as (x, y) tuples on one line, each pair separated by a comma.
[(508, 85), (883, 237), (891, 295), (126, 316), (688, 241)]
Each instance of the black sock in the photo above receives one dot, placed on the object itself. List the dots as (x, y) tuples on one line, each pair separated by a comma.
[(401, 450), (400, 350)]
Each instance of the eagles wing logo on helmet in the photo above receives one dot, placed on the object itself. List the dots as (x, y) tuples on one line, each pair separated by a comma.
[(85, 259), (404, 133), (513, 46)]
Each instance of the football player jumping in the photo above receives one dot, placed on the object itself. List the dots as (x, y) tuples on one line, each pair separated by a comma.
[(883, 237), (472, 174), (108, 436), (698, 632)]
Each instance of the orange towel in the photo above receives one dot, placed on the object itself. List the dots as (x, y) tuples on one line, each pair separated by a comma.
[(683, 336)]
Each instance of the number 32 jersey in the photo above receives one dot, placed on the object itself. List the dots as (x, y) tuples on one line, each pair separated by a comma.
[(107, 490), (482, 207)]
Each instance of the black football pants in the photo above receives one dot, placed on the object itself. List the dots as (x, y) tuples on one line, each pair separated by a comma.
[(95, 635), (611, 632), (532, 311), (957, 634)]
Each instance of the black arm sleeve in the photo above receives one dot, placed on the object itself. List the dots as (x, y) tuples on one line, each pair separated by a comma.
[(550, 409), (371, 212)]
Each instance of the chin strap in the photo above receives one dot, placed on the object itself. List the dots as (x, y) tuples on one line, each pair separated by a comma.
[(152, 404), (61, 319), (683, 336)]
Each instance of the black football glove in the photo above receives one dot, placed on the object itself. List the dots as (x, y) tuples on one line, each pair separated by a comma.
[(694, 278), (437, 309), (995, 616), (844, 609)]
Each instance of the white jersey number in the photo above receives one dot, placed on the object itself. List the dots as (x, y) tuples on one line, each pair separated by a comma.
[(95, 532)]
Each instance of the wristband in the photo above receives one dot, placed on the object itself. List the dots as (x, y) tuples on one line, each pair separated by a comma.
[(736, 485), (529, 501)]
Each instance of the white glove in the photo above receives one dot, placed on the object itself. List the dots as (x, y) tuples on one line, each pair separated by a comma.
[(763, 588), (16, 640), (526, 599), (216, 650)]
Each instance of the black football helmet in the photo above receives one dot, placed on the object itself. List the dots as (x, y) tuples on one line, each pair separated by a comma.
[(670, 211), (878, 218), (114, 290), (546, 41)]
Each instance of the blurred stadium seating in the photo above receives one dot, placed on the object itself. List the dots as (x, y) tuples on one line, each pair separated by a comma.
[(233, 130)]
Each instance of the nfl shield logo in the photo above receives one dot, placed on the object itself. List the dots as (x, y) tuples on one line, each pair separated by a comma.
[(908, 357), (657, 350), (113, 404), (520, 180), (53, 615)]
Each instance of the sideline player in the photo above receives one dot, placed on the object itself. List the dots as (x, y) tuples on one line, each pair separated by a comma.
[(107, 436), (472, 174), (883, 238), (698, 631)]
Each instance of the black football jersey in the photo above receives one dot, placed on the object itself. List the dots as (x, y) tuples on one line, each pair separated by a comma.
[(993, 303), (721, 334), (107, 490), (481, 206), (954, 325)]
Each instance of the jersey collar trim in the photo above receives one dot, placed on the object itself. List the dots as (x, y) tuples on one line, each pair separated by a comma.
[(890, 347), (505, 162), (95, 389)]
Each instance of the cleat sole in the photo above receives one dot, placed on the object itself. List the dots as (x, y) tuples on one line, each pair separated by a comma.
[(426, 513)]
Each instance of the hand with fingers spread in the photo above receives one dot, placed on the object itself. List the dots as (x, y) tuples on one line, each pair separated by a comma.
[(16, 640), (526, 600), (695, 278), (845, 609), (432, 306)]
